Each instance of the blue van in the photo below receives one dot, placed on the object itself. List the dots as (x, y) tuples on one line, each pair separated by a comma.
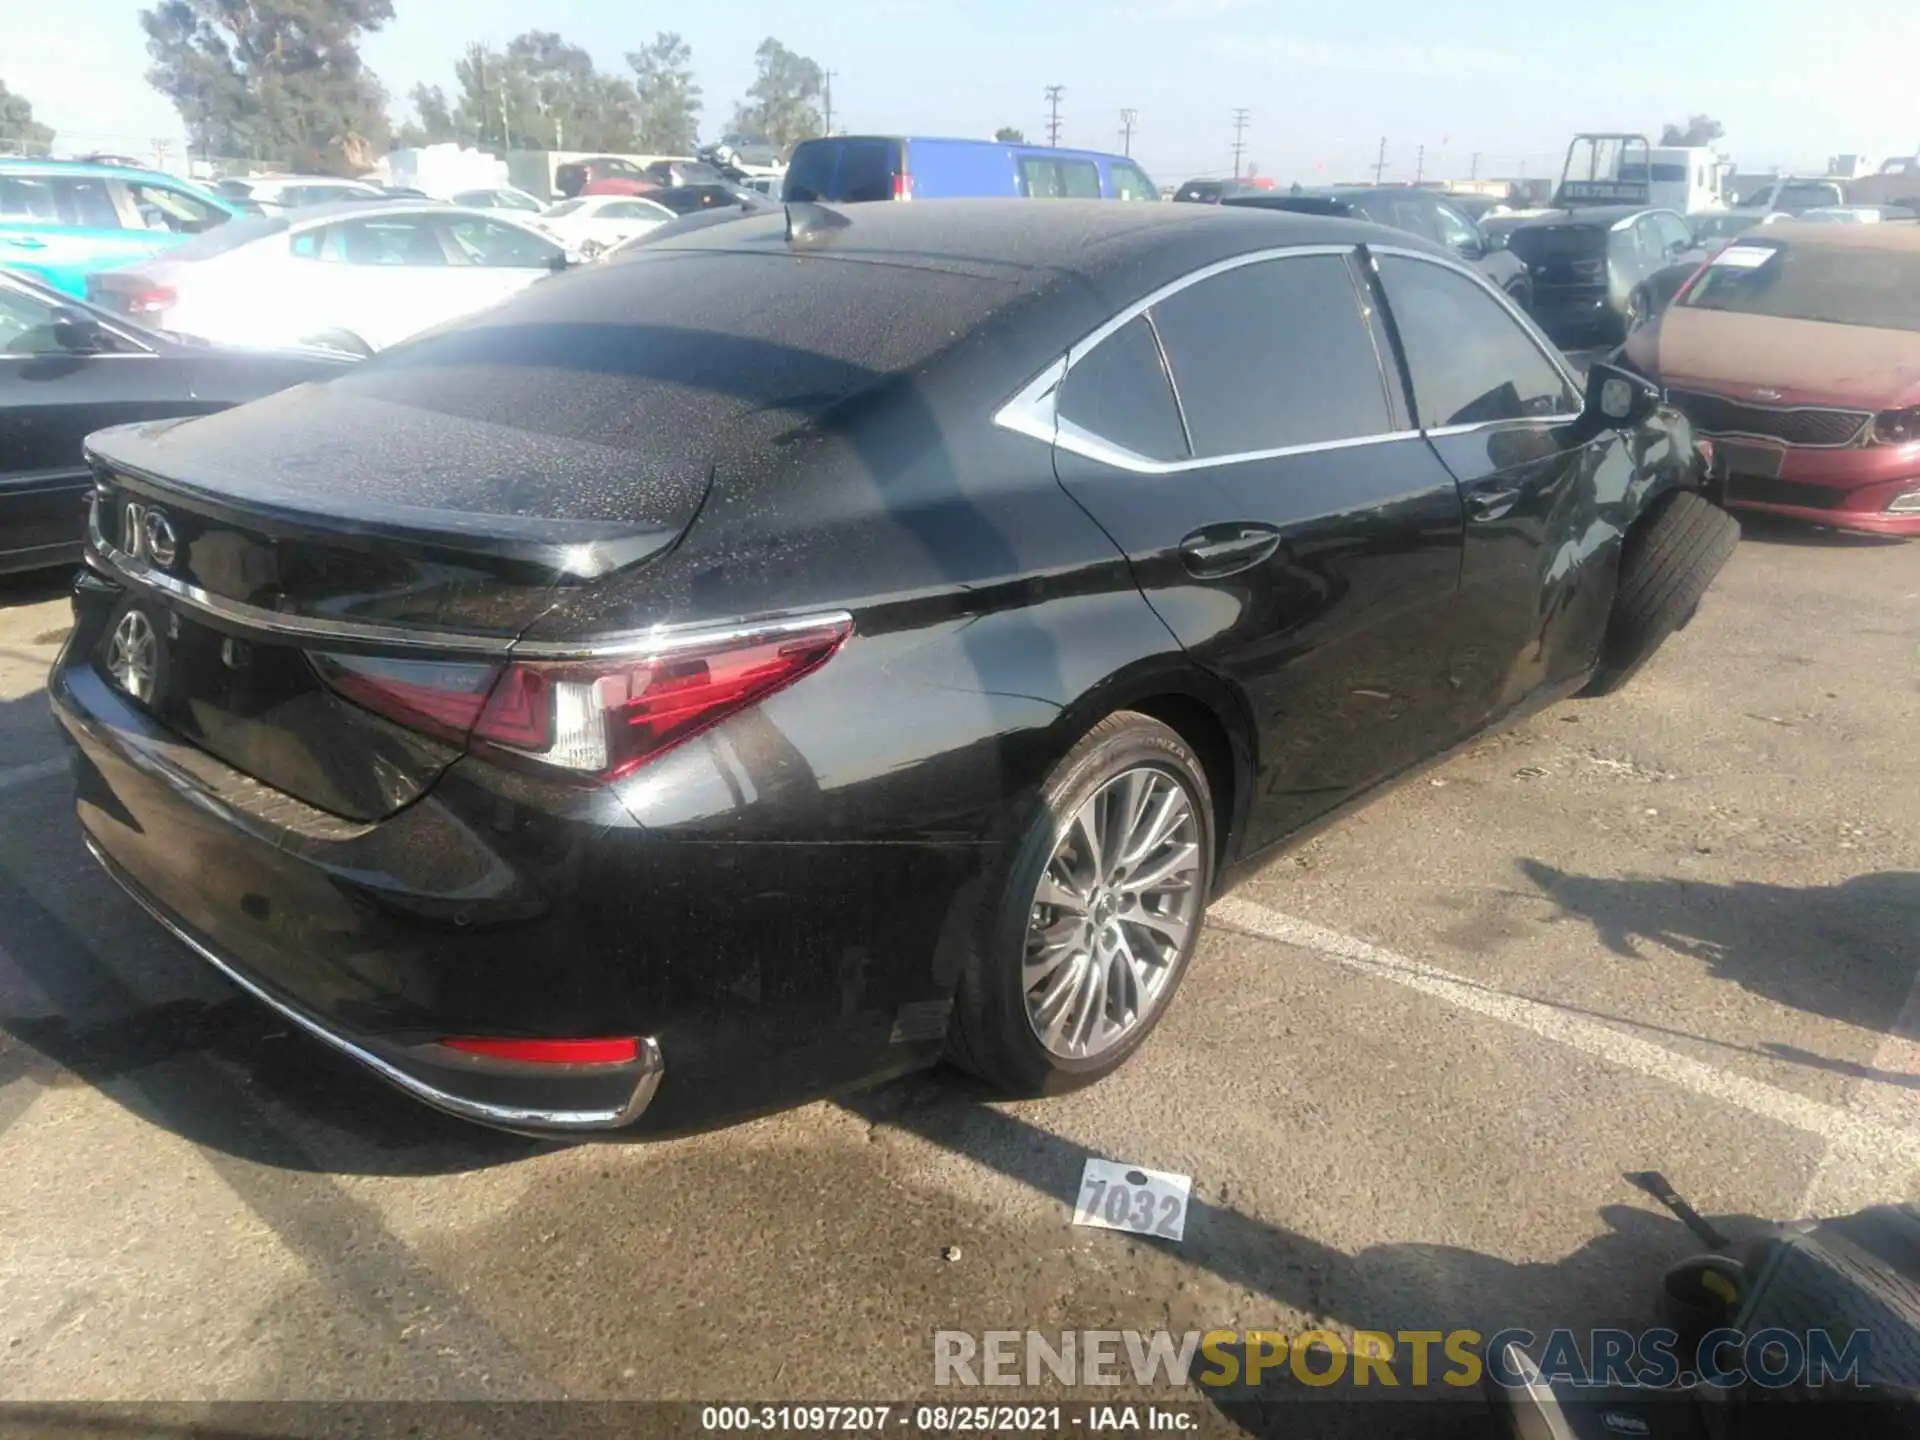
[(849, 168), (61, 221)]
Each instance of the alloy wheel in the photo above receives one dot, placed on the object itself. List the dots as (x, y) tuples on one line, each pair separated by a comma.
[(133, 655), (1112, 914)]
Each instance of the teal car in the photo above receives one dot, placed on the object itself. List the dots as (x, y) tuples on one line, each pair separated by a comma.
[(61, 221)]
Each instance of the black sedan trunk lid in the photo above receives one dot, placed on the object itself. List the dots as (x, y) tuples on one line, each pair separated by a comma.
[(318, 523)]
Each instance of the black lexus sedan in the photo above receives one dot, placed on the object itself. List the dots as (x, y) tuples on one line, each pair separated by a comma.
[(818, 643), (67, 369), (1434, 217)]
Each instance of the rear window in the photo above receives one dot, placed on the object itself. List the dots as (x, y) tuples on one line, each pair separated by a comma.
[(670, 353), (1808, 195), (1537, 244), (1878, 289), (847, 171)]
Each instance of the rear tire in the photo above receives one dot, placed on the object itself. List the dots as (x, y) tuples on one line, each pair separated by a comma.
[(1666, 565), (1001, 1008)]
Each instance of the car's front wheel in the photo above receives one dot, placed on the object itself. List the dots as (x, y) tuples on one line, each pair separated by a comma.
[(1099, 913), (1666, 565)]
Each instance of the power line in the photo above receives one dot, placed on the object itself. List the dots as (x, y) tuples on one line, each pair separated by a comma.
[(1054, 92), (1240, 118), (1127, 117)]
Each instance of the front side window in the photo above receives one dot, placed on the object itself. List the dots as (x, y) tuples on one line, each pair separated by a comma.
[(1120, 393), (1271, 355), (1471, 361), (1130, 182), (389, 240), (1456, 231), (26, 325)]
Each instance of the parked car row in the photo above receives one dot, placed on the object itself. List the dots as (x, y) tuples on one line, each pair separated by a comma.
[(68, 369)]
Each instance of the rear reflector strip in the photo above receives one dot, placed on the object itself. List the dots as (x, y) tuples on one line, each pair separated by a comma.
[(620, 1051)]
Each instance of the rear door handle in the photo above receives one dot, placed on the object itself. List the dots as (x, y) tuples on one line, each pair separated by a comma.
[(1227, 549), (26, 242), (1492, 504)]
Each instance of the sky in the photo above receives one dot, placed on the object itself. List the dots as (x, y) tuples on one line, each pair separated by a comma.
[(1508, 81)]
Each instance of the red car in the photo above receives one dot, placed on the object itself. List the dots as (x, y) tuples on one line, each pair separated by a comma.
[(1796, 350)]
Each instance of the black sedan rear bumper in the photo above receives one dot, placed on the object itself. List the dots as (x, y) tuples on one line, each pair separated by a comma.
[(167, 836)]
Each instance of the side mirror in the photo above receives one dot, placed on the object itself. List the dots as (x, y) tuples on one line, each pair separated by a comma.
[(1472, 248), (1617, 399), (78, 333)]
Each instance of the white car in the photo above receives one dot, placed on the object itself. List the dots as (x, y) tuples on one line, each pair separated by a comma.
[(500, 197), (599, 222), (296, 192), (349, 277)]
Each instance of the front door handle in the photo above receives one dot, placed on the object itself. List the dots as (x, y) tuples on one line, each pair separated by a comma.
[(1227, 549), (1492, 504), (26, 242)]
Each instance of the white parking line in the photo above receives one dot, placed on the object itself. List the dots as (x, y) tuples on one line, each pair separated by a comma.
[(1867, 1145), (17, 775), (1850, 1177)]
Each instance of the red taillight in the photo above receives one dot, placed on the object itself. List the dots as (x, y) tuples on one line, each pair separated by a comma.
[(620, 1051), (601, 717), (902, 185), (148, 299)]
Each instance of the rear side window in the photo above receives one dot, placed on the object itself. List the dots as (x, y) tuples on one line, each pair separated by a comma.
[(1471, 362), (85, 203), (389, 240), (1271, 355), (1120, 392), (1049, 179)]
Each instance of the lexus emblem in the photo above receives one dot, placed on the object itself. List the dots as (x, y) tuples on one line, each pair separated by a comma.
[(147, 534), (163, 546), (1764, 393), (133, 655)]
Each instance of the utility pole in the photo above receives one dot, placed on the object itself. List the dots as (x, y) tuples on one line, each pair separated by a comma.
[(829, 125), (1054, 92), (1127, 117), (1420, 165), (1240, 118), (1380, 165), (1473, 166)]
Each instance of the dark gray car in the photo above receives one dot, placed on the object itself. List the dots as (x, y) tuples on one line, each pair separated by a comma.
[(1422, 212)]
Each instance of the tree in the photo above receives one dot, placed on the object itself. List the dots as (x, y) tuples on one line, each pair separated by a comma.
[(783, 103), (669, 100), (541, 93), (1010, 135), (19, 131), (278, 79), (433, 122), (1699, 130)]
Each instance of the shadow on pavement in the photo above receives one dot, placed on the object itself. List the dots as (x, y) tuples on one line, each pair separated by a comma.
[(1613, 1279), (1843, 951), (1759, 526)]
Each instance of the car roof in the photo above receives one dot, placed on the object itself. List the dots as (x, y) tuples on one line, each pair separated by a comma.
[(1595, 215), (1087, 238), (967, 140), (1897, 234), (19, 165)]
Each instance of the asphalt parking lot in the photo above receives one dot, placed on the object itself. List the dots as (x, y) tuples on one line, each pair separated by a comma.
[(1414, 1059)]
